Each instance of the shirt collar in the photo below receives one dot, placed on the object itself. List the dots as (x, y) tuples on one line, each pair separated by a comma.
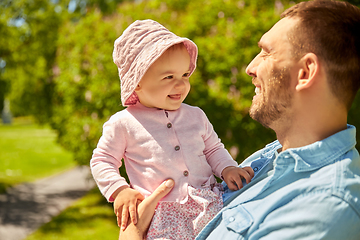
[(307, 158), (271, 149)]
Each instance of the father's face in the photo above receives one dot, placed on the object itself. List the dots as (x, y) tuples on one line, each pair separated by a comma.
[(271, 72)]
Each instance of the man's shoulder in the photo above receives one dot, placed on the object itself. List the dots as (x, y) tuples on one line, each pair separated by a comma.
[(347, 180)]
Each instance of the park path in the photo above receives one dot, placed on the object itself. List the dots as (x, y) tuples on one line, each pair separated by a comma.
[(28, 206)]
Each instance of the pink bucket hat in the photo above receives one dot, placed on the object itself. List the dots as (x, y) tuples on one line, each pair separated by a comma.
[(138, 47)]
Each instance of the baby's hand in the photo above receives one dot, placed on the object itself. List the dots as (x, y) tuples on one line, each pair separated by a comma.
[(125, 204), (233, 176)]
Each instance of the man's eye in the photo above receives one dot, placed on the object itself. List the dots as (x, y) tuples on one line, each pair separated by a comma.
[(264, 54)]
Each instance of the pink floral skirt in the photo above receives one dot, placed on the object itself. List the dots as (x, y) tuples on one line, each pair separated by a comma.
[(173, 220)]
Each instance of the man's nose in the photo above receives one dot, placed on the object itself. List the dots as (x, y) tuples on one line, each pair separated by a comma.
[(252, 67)]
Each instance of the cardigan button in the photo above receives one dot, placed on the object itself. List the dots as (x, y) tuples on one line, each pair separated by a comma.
[(186, 173), (177, 148), (169, 125)]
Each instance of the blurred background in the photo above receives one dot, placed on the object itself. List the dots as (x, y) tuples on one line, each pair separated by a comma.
[(58, 85)]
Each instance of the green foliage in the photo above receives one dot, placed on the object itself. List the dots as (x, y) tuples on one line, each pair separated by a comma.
[(3, 91), (59, 64), (29, 50), (105, 6), (355, 2), (87, 86), (354, 117), (226, 32)]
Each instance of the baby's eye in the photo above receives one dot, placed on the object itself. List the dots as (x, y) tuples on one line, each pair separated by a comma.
[(169, 77), (186, 74)]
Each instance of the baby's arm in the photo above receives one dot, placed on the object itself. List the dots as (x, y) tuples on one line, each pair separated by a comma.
[(125, 203), (105, 164), (233, 176)]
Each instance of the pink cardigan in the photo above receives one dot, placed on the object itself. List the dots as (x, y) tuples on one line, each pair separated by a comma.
[(156, 145)]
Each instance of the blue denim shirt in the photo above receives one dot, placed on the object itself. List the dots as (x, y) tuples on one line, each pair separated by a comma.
[(312, 192)]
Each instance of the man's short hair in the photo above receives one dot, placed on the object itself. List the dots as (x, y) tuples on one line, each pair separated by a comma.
[(331, 30)]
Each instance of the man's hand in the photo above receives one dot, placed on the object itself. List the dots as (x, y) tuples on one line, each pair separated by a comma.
[(125, 204), (146, 211), (233, 176)]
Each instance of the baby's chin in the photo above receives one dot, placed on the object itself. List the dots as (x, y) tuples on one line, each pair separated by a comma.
[(171, 108)]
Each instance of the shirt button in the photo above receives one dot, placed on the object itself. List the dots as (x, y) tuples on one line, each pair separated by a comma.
[(177, 148), (169, 125), (186, 173), (231, 219)]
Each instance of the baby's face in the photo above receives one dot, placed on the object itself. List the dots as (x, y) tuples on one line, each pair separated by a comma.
[(165, 85)]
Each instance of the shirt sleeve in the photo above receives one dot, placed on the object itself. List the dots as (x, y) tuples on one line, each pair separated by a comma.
[(106, 159), (216, 154)]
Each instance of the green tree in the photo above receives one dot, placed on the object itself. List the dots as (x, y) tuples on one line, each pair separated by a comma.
[(29, 31), (59, 63), (8, 33), (87, 85), (106, 7), (29, 50), (226, 32)]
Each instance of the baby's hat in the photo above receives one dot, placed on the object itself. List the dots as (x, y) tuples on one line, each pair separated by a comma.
[(138, 47)]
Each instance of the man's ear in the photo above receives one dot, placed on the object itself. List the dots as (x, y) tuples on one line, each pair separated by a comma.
[(309, 69)]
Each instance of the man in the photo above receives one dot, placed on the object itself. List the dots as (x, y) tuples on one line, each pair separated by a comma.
[(307, 183)]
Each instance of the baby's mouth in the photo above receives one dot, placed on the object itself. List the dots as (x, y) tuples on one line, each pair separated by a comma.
[(175, 96)]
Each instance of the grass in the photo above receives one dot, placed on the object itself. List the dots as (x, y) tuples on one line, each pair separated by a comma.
[(91, 217), (29, 152)]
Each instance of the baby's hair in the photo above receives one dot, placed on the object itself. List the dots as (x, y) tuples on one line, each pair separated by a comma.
[(177, 46)]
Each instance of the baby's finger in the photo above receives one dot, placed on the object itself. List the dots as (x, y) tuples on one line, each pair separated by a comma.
[(140, 197), (118, 219), (124, 217), (250, 171), (133, 214), (233, 185), (118, 216), (244, 174), (238, 183)]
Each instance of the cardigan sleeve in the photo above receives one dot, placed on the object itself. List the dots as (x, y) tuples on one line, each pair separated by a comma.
[(107, 156), (216, 154)]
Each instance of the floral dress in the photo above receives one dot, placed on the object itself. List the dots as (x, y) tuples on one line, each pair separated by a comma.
[(173, 220)]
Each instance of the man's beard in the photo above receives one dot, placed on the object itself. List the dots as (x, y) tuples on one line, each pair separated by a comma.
[(274, 100)]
